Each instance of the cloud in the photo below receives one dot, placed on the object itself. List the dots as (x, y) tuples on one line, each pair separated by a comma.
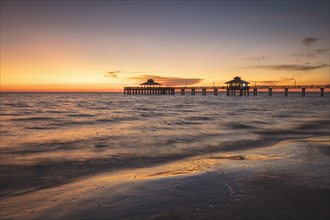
[(122, 74), (258, 58), (172, 81), (269, 82), (320, 51), (279, 17), (285, 79), (312, 54), (282, 80), (291, 67), (307, 41), (112, 74)]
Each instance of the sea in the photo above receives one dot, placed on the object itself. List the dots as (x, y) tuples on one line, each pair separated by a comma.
[(49, 139)]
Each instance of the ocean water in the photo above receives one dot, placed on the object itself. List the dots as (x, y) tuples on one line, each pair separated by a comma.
[(48, 139)]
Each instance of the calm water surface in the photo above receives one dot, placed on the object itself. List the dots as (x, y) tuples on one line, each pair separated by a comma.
[(49, 139)]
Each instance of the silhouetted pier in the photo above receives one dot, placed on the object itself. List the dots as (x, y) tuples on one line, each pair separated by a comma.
[(234, 87)]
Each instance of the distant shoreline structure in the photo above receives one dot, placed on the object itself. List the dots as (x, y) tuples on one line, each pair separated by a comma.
[(233, 87)]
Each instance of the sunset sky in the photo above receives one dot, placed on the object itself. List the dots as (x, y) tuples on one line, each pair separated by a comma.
[(105, 45)]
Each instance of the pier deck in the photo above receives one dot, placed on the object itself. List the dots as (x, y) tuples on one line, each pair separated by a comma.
[(182, 89)]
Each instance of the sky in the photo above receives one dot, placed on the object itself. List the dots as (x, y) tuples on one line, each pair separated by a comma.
[(106, 45)]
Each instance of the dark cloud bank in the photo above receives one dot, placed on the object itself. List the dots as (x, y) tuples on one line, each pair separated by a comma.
[(173, 81), (308, 41), (292, 67)]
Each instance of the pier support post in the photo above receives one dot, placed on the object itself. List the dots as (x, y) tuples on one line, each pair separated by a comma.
[(286, 91), (193, 92), (183, 92), (255, 92), (270, 91), (227, 92), (204, 92), (322, 91), (303, 91), (240, 92), (215, 91)]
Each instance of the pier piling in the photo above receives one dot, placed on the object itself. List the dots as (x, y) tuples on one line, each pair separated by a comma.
[(183, 92), (286, 91), (303, 91), (255, 92), (270, 91), (204, 92)]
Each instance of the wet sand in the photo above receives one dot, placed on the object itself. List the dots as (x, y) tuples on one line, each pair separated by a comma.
[(288, 180)]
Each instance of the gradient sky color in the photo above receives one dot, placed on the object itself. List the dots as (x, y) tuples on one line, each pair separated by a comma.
[(105, 45)]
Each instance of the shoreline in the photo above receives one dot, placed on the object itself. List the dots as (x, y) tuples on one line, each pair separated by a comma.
[(288, 179)]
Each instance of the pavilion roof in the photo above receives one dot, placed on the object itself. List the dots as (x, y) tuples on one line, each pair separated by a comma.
[(237, 79), (151, 82)]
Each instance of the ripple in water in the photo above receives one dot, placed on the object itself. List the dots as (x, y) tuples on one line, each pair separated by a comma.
[(76, 134)]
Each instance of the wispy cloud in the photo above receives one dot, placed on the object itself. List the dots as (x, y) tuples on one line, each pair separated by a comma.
[(121, 74), (112, 74), (269, 81), (256, 58), (282, 80), (280, 17), (173, 81), (285, 79), (291, 67), (308, 41), (312, 54)]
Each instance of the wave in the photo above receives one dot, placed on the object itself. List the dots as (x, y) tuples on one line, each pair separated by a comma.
[(33, 119)]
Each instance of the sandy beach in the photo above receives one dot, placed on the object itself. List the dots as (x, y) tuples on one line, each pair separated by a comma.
[(287, 180)]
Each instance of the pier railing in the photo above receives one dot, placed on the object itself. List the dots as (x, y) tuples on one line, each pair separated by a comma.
[(229, 90), (225, 87)]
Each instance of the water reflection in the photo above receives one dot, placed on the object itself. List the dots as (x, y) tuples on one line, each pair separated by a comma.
[(45, 136)]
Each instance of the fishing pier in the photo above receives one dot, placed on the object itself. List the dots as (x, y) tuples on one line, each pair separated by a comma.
[(234, 87)]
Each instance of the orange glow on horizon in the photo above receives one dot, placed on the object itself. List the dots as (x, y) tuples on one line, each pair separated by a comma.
[(61, 88), (101, 88)]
